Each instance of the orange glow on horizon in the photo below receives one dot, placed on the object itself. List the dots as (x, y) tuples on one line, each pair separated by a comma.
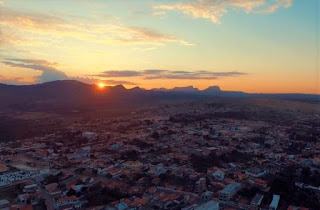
[(101, 85)]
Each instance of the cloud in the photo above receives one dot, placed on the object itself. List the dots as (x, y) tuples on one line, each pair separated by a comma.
[(123, 73), (47, 69), (152, 74), (90, 80), (34, 61), (16, 80), (154, 71), (158, 13), (48, 26), (215, 9), (274, 7), (9, 38), (49, 72), (117, 82)]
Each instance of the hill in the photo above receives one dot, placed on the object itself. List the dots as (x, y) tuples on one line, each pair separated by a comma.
[(71, 94)]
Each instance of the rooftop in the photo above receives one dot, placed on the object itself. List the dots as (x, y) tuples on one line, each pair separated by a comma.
[(213, 205), (68, 198), (275, 201), (257, 199), (230, 188), (3, 167), (4, 202)]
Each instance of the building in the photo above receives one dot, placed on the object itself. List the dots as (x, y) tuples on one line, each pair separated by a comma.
[(230, 190), (256, 172), (207, 195), (89, 135), (217, 173), (211, 205), (70, 200), (296, 208), (122, 206), (275, 202), (30, 188), (4, 204), (201, 185), (256, 201), (44, 171), (3, 168), (7, 178)]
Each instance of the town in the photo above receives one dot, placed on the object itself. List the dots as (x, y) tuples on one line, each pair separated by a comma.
[(186, 156)]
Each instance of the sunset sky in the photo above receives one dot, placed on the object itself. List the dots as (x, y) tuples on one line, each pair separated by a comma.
[(245, 45)]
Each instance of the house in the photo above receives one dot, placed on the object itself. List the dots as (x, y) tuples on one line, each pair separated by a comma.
[(30, 188), (54, 192), (296, 208), (157, 170), (9, 177), (262, 184), (122, 206), (39, 179), (256, 172), (66, 207), (3, 168), (113, 171), (134, 202), (76, 187), (51, 186), (230, 190), (115, 146), (207, 195), (4, 204), (211, 205), (21, 207), (217, 173), (132, 164), (44, 171), (67, 200), (31, 197), (89, 135), (138, 202), (201, 185), (240, 176), (256, 201), (23, 198), (86, 149), (275, 202)]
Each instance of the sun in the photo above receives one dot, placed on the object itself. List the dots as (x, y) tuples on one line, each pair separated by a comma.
[(101, 85)]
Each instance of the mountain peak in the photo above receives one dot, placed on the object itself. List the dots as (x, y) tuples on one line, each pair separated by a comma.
[(185, 89), (136, 88), (119, 87), (213, 89)]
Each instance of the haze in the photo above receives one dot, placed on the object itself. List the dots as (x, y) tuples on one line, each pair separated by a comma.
[(268, 46)]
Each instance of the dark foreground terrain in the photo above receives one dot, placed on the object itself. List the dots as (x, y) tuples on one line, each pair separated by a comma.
[(163, 152)]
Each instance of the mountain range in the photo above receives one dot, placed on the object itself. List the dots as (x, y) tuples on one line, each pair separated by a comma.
[(75, 94)]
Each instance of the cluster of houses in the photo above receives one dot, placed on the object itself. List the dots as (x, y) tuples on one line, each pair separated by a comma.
[(12, 175), (156, 162)]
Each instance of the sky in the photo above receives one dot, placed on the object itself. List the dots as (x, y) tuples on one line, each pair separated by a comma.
[(257, 46)]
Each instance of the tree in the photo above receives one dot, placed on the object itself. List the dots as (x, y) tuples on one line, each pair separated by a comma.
[(71, 192), (155, 135)]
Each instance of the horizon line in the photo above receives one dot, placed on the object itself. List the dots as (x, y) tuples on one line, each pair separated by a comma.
[(168, 89)]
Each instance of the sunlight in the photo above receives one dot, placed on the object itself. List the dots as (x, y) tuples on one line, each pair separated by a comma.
[(101, 85)]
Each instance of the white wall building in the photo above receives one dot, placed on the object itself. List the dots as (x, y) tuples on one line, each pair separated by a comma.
[(275, 202), (229, 191)]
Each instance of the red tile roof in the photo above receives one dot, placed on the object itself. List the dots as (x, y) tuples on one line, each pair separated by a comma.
[(68, 198)]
